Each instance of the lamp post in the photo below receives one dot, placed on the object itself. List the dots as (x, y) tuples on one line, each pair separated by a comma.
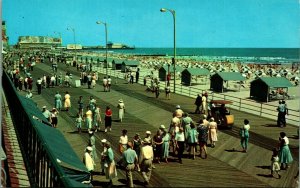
[(59, 33), (105, 24), (174, 58), (73, 30)]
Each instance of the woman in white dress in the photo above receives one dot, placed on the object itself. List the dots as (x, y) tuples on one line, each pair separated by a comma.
[(121, 107), (97, 118), (213, 136)]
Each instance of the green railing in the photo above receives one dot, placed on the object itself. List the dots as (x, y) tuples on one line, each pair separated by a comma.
[(245, 105), (42, 166)]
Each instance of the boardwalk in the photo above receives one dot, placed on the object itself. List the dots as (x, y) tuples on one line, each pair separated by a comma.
[(223, 167)]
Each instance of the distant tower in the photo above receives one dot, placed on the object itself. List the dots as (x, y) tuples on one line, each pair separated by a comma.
[(4, 36)]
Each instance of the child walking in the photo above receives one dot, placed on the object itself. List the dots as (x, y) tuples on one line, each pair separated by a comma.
[(275, 165), (78, 122)]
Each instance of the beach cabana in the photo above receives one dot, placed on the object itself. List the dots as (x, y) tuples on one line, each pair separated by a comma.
[(117, 64), (128, 64), (163, 72), (217, 80), (261, 88), (98, 60), (187, 74), (109, 62)]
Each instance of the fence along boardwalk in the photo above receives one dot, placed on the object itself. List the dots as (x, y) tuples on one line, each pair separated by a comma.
[(210, 172)]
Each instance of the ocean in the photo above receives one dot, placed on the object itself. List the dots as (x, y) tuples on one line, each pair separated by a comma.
[(281, 55)]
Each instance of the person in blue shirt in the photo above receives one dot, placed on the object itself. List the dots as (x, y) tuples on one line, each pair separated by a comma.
[(130, 159), (110, 167), (192, 139)]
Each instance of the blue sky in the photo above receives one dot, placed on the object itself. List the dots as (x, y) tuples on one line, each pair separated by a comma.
[(199, 23)]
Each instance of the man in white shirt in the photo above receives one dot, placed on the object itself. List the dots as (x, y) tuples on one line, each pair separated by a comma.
[(179, 142), (146, 158), (52, 80), (105, 82), (39, 85), (108, 83)]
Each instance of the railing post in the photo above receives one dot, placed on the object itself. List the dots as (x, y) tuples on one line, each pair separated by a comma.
[(260, 109), (181, 89)]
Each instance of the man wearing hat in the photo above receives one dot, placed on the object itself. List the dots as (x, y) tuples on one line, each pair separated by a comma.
[(146, 159), (162, 129), (88, 160), (121, 107), (149, 139), (130, 159)]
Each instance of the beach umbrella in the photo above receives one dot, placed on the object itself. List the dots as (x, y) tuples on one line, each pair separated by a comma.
[(263, 74), (297, 78), (278, 75), (244, 75)]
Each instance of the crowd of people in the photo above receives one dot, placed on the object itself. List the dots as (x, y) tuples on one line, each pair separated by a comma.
[(183, 134), (139, 153)]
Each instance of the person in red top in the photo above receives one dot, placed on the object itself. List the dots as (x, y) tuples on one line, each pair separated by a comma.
[(108, 120)]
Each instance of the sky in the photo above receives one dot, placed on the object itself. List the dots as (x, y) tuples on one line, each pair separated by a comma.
[(139, 23)]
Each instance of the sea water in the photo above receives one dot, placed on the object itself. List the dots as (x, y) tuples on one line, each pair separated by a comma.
[(278, 55)]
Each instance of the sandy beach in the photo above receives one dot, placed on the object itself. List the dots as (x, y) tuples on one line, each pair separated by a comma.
[(151, 64)]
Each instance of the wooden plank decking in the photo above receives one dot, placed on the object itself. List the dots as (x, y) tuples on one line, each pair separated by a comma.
[(144, 112)]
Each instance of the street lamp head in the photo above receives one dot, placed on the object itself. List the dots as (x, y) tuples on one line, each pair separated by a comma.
[(163, 10), (99, 22)]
